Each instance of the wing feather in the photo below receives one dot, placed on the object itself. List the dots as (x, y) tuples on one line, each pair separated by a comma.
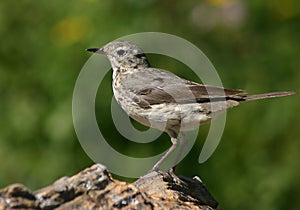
[(156, 87)]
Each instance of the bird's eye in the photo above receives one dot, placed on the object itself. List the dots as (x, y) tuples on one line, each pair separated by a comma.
[(120, 52)]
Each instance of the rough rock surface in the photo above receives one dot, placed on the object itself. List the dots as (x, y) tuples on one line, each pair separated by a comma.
[(94, 188)]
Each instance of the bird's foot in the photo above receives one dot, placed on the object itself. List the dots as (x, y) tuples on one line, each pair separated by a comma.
[(173, 175), (154, 169)]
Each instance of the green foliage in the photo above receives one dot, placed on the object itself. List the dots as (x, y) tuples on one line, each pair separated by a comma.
[(254, 45)]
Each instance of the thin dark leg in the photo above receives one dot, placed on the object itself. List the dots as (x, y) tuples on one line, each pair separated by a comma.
[(172, 148), (183, 143)]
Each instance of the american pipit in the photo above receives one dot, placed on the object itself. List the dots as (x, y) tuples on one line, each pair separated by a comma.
[(162, 100)]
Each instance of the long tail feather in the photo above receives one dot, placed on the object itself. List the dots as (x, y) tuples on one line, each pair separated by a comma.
[(268, 95)]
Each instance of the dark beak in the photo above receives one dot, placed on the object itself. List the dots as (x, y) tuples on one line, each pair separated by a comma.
[(96, 50)]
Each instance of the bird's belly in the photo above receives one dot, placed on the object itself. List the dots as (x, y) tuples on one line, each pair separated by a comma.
[(162, 116)]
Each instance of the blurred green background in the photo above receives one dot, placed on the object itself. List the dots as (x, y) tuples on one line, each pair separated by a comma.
[(254, 45)]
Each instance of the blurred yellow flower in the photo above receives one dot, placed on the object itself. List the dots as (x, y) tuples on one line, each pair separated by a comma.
[(219, 2), (70, 30)]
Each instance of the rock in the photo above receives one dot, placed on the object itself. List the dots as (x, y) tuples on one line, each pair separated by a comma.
[(17, 196), (94, 188)]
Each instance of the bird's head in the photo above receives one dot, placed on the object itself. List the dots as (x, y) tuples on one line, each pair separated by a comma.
[(123, 55)]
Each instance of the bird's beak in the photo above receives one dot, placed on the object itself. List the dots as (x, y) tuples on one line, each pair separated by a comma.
[(96, 50)]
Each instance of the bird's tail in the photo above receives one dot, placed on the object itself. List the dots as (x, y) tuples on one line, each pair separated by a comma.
[(268, 95)]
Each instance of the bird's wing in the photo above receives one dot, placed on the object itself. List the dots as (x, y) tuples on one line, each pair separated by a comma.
[(187, 94), (168, 88), (214, 92)]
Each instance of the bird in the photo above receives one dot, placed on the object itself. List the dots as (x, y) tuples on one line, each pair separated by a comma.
[(160, 99)]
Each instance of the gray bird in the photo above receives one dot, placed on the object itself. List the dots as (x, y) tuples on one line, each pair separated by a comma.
[(162, 100)]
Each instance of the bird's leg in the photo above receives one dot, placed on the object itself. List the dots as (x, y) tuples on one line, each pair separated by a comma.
[(183, 142), (164, 157)]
